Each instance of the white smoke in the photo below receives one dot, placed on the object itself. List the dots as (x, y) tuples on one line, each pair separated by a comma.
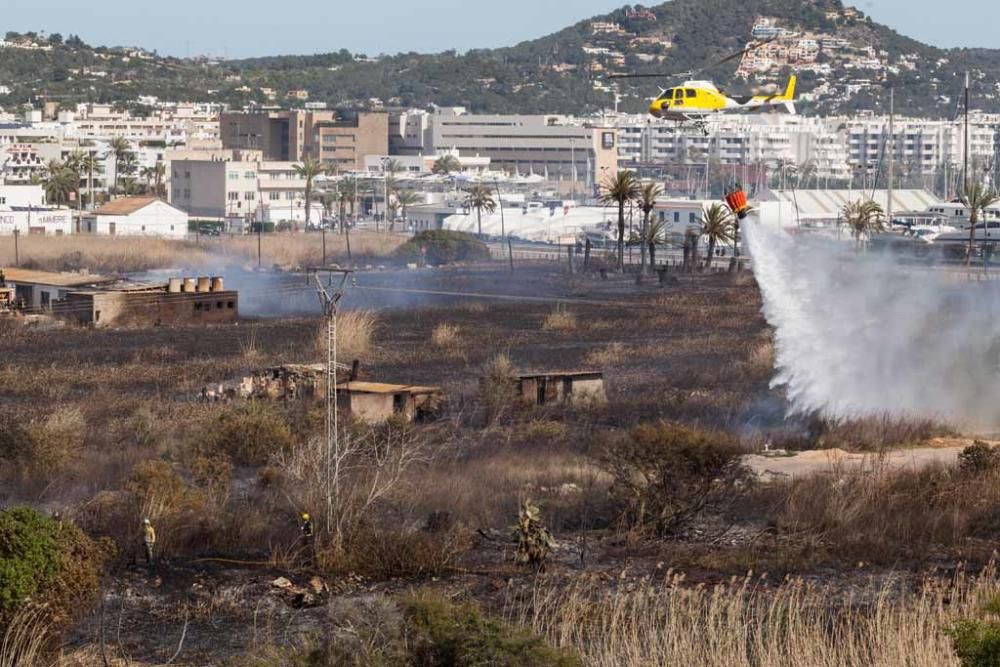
[(860, 333)]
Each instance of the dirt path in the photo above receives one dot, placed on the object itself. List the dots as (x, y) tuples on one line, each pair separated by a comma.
[(938, 451)]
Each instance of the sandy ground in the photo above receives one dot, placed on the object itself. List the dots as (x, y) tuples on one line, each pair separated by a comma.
[(938, 451)]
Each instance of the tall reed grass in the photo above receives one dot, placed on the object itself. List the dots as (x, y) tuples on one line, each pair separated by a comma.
[(102, 254), (744, 622)]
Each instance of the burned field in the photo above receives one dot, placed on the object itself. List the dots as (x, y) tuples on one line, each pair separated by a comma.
[(106, 427)]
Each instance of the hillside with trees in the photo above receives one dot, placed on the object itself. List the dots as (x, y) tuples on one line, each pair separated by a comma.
[(565, 72)]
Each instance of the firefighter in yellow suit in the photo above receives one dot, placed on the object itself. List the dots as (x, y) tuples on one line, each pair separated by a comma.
[(148, 539)]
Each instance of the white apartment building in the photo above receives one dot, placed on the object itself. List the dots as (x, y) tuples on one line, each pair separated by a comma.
[(172, 125), (836, 147), (244, 188), (736, 140)]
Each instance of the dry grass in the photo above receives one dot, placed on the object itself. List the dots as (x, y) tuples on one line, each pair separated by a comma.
[(446, 336), (665, 621), (355, 333), (560, 320), (886, 517), (115, 255), (611, 354)]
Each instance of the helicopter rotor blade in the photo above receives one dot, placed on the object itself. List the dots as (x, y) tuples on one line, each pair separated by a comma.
[(644, 76), (753, 46)]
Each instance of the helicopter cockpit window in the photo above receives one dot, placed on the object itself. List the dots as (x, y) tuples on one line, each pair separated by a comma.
[(667, 94), (689, 92), (678, 93)]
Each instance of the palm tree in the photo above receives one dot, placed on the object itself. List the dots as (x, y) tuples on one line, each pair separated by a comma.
[(406, 199), (647, 202), (126, 169), (343, 199), (119, 148), (153, 176), (146, 174), (656, 235), (309, 170), (620, 189), (90, 164), (863, 218), (327, 200), (75, 162), (446, 164), (59, 183), (348, 191), (806, 172), (480, 198), (392, 166), (717, 226), (976, 198)]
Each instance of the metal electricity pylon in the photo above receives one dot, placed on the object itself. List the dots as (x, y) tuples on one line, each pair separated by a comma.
[(330, 286)]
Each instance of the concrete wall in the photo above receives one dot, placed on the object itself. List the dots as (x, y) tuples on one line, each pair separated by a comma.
[(372, 408), (108, 309), (48, 222)]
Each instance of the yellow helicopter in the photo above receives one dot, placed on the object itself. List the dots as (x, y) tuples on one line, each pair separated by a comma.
[(694, 101)]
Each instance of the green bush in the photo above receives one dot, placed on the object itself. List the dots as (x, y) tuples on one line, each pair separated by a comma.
[(665, 474), (28, 555), (444, 247), (249, 434), (977, 643), (445, 633), (50, 561)]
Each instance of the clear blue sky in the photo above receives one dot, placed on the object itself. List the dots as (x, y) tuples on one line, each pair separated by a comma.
[(237, 28)]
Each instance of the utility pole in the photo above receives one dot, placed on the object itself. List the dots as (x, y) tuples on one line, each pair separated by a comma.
[(17, 254), (330, 294), (965, 151), (892, 152), (503, 228)]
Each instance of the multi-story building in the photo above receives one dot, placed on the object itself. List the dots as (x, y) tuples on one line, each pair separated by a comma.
[(735, 141), (170, 125), (561, 149), (343, 144), (244, 187), (409, 132), (280, 135)]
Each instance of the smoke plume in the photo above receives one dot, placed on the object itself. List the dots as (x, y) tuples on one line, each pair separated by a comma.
[(860, 333)]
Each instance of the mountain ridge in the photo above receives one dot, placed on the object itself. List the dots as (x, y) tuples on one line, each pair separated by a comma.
[(563, 72)]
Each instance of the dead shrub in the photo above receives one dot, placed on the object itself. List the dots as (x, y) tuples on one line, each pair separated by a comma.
[(157, 488), (355, 334), (43, 447), (342, 485), (560, 319), (665, 474), (213, 475), (542, 432), (384, 554), (498, 387), (446, 336), (248, 433), (979, 457)]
